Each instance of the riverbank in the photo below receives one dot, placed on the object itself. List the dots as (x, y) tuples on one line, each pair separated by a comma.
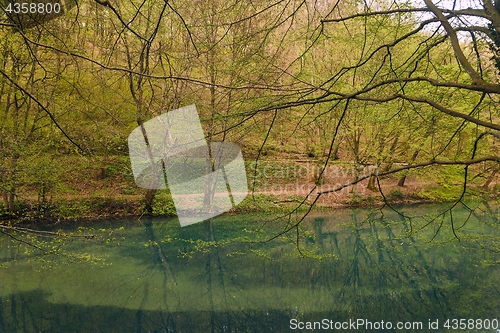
[(118, 206), (91, 191)]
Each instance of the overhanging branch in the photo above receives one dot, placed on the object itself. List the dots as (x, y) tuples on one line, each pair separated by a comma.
[(476, 78), (414, 166)]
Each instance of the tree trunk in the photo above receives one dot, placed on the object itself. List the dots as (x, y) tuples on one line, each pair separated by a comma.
[(402, 180), (371, 184), (148, 201), (490, 179)]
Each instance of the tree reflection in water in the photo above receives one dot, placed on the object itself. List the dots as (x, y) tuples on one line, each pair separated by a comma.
[(379, 271)]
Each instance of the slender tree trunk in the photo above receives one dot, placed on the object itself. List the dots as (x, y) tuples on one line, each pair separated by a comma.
[(209, 167), (402, 180), (490, 179)]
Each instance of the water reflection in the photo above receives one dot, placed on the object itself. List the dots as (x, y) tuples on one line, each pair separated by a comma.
[(379, 271)]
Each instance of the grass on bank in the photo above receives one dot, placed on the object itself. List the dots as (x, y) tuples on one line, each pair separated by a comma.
[(105, 188)]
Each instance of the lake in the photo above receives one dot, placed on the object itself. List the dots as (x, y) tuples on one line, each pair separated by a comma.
[(416, 269)]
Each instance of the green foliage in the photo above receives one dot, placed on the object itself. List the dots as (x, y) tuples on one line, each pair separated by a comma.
[(396, 194), (449, 186), (441, 193), (163, 205), (251, 83)]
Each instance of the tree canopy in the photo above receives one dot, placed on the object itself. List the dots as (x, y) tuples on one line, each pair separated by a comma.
[(388, 86)]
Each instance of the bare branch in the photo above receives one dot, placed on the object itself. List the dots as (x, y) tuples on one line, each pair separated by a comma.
[(466, 12), (435, 105), (415, 166), (106, 3), (476, 78), (34, 99), (475, 28)]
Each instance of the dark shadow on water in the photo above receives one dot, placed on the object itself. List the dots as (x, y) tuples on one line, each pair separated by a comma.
[(31, 312)]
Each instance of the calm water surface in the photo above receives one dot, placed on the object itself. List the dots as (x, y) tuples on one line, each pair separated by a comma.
[(353, 265)]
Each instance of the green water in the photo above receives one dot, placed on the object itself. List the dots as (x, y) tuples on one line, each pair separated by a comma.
[(345, 266)]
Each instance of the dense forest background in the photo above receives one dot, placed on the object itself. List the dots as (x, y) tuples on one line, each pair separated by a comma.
[(356, 96)]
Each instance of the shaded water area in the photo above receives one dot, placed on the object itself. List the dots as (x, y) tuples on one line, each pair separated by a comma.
[(357, 264)]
